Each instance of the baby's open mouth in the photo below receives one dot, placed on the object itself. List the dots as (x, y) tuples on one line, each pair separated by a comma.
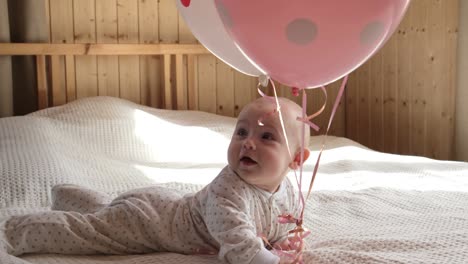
[(247, 161)]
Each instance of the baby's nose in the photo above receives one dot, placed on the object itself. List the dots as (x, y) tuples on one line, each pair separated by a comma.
[(249, 144)]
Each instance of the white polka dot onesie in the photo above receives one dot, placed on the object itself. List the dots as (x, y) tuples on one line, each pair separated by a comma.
[(228, 216)]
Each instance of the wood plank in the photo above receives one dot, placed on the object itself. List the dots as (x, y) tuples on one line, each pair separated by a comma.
[(315, 101), (404, 83), (181, 86), (150, 66), (185, 34), (47, 17), (449, 21), (224, 89), (243, 86), (58, 89), (168, 22), (452, 25), (42, 93), (99, 49), (152, 92), (6, 76), (338, 125), (376, 103), (106, 32), (390, 80), (70, 77), (61, 31), (129, 66), (352, 103), (167, 82), (363, 104), (207, 80), (192, 82), (85, 32), (461, 112), (437, 70), (419, 74), (61, 22)]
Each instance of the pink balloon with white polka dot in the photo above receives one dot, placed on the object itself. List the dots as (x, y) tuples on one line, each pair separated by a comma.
[(310, 43)]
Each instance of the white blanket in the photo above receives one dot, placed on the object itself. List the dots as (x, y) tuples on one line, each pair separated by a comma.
[(366, 206)]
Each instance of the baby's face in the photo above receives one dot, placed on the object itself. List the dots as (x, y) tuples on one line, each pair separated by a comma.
[(258, 153)]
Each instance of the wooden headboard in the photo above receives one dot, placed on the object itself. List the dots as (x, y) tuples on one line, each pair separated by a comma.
[(52, 90)]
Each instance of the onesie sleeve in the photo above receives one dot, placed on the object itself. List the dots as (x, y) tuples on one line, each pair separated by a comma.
[(228, 221)]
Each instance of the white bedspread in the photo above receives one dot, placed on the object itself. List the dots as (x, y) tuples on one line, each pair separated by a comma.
[(366, 206)]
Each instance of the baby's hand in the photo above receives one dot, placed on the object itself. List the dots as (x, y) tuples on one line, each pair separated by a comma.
[(284, 245)]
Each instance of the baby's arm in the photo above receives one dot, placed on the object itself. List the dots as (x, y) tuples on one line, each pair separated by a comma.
[(225, 212), (236, 235)]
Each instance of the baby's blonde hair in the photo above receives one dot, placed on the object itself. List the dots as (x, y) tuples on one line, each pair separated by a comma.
[(290, 112)]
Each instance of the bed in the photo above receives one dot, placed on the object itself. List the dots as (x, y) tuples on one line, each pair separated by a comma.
[(366, 206)]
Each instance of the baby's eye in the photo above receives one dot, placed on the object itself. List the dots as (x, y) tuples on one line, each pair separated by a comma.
[(268, 136), (241, 132)]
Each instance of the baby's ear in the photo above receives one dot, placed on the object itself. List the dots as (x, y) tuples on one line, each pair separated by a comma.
[(296, 163)]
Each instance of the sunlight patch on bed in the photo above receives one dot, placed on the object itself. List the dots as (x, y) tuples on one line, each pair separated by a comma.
[(175, 143)]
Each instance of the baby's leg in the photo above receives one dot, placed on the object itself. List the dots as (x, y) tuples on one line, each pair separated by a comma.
[(69, 197), (118, 229)]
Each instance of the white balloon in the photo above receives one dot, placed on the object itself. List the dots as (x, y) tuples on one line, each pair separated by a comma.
[(203, 20)]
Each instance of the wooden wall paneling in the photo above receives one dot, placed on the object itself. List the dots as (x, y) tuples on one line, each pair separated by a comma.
[(168, 22), (207, 83), (201, 70), (404, 82), (57, 72), (243, 87), (376, 102), (6, 75), (85, 32), (419, 74), (282, 90), (58, 85), (167, 82), (225, 89), (461, 111), (181, 84), (129, 65), (352, 104), (41, 72), (61, 30), (186, 75), (70, 77), (437, 89), (106, 32), (315, 100), (337, 127), (363, 103), (47, 17), (150, 66), (452, 25), (390, 80), (168, 33), (444, 89), (185, 35), (192, 82)]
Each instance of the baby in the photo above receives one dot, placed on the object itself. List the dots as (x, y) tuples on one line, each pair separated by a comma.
[(230, 217)]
